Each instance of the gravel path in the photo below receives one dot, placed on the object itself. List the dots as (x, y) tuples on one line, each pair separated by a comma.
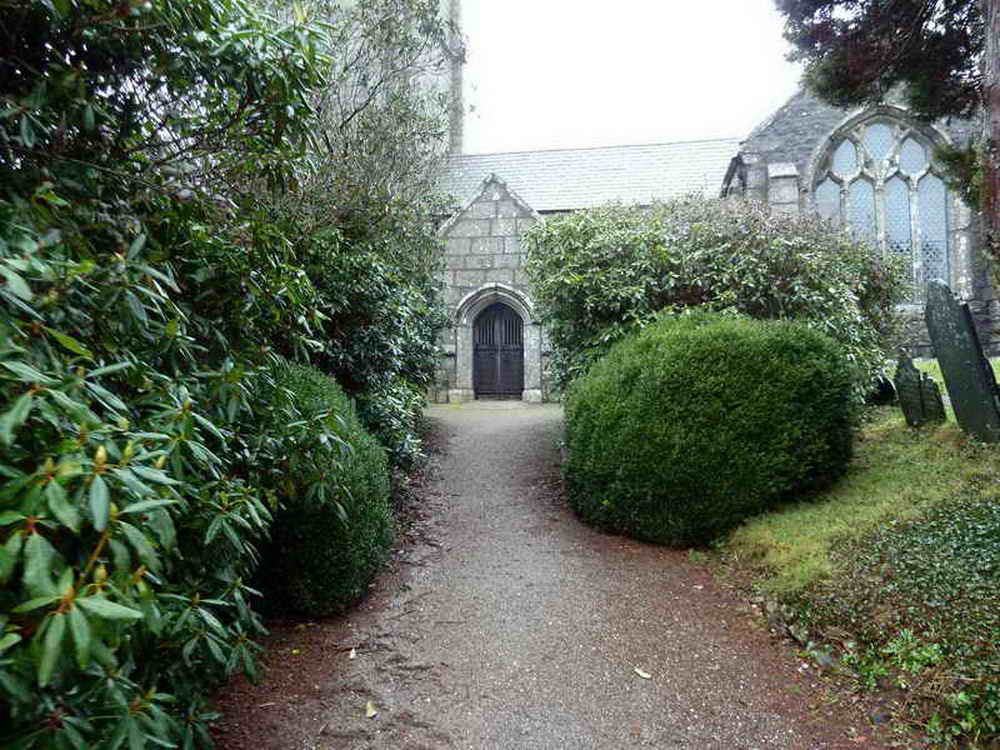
[(510, 625)]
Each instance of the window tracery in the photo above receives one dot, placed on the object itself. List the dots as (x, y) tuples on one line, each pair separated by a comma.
[(879, 179)]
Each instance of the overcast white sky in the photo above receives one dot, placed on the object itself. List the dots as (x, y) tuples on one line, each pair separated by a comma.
[(577, 73)]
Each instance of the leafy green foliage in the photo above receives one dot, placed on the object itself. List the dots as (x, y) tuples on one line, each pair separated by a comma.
[(381, 302), (894, 569), (125, 540), (701, 420), (133, 484), (920, 597), (602, 274), (334, 527), (157, 256), (963, 168), (189, 94), (369, 206), (341, 266)]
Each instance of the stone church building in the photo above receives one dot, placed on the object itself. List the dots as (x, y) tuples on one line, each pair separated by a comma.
[(872, 171)]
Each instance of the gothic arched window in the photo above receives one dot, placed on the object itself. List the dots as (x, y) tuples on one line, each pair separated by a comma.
[(880, 180)]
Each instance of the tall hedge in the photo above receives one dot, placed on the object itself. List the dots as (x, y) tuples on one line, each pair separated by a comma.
[(602, 274), (702, 420), (133, 487), (334, 526), (383, 309)]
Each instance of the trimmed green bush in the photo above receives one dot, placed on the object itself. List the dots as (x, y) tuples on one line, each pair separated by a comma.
[(330, 535), (702, 420)]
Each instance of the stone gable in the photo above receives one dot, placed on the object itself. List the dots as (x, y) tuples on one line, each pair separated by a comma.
[(483, 242), (484, 259)]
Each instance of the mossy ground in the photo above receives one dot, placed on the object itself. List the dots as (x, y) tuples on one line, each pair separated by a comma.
[(901, 559)]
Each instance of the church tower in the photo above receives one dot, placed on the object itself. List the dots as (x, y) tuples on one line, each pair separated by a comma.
[(452, 9)]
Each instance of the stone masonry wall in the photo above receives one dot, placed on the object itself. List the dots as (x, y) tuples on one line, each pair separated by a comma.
[(482, 247), (776, 162)]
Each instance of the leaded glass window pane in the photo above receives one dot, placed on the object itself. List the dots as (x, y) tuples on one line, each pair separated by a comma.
[(886, 207), (845, 159), (912, 157), (898, 230), (878, 141), (861, 209), (828, 199), (933, 215)]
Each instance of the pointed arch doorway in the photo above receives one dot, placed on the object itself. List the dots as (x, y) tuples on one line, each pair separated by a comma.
[(498, 353), (468, 312)]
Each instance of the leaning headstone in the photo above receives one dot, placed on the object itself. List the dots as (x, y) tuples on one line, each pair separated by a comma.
[(883, 393), (918, 394), (967, 373)]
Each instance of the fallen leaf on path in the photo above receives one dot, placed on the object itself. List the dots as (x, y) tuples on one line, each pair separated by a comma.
[(642, 674), (370, 711)]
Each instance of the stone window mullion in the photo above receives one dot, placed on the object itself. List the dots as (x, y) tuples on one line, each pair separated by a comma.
[(880, 220), (916, 245)]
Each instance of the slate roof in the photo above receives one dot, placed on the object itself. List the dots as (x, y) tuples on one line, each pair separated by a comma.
[(565, 179)]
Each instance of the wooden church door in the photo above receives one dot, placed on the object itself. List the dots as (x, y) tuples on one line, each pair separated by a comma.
[(498, 359)]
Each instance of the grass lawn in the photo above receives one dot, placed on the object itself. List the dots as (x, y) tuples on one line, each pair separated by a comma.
[(897, 474), (902, 554), (932, 368)]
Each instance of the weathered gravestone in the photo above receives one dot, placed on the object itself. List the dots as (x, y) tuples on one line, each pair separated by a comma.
[(967, 373), (919, 396)]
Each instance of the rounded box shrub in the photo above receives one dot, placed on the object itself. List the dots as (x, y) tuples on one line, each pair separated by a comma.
[(701, 420), (334, 527)]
